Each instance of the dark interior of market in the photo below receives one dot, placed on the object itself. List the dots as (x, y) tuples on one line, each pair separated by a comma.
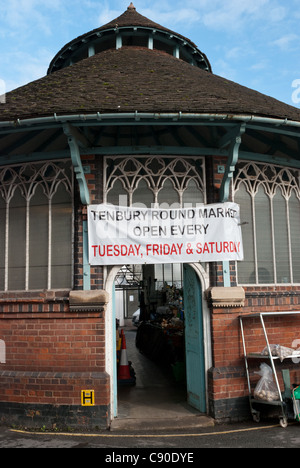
[(153, 306)]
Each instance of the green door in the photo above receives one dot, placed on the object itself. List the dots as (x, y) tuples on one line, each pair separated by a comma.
[(195, 363)]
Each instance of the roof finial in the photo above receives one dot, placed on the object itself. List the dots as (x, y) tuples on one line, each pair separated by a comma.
[(131, 7)]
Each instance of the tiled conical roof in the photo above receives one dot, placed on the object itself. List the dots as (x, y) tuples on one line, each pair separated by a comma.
[(134, 78), (137, 79)]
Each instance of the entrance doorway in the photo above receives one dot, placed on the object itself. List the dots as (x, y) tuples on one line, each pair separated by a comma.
[(170, 365), (165, 181)]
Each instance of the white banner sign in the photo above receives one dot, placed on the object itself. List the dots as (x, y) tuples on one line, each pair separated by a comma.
[(121, 235)]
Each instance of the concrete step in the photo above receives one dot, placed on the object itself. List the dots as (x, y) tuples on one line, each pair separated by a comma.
[(161, 424)]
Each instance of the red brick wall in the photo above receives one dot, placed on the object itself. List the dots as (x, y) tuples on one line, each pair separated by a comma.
[(51, 353), (75, 344), (52, 388)]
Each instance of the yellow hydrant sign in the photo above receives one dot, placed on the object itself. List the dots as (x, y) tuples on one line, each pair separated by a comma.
[(87, 398)]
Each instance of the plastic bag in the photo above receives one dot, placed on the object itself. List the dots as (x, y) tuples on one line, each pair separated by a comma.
[(266, 389), (277, 350)]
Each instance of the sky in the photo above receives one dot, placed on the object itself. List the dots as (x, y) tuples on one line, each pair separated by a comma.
[(255, 43)]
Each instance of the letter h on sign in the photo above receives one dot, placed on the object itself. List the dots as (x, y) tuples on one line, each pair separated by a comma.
[(87, 397)]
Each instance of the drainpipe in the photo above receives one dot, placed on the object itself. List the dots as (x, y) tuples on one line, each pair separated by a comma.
[(233, 156)]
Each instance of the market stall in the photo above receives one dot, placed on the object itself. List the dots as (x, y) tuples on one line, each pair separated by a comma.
[(161, 336)]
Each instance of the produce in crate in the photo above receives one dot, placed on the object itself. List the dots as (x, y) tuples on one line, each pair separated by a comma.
[(266, 389)]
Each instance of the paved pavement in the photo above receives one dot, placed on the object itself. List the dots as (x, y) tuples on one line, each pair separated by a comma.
[(267, 434)]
